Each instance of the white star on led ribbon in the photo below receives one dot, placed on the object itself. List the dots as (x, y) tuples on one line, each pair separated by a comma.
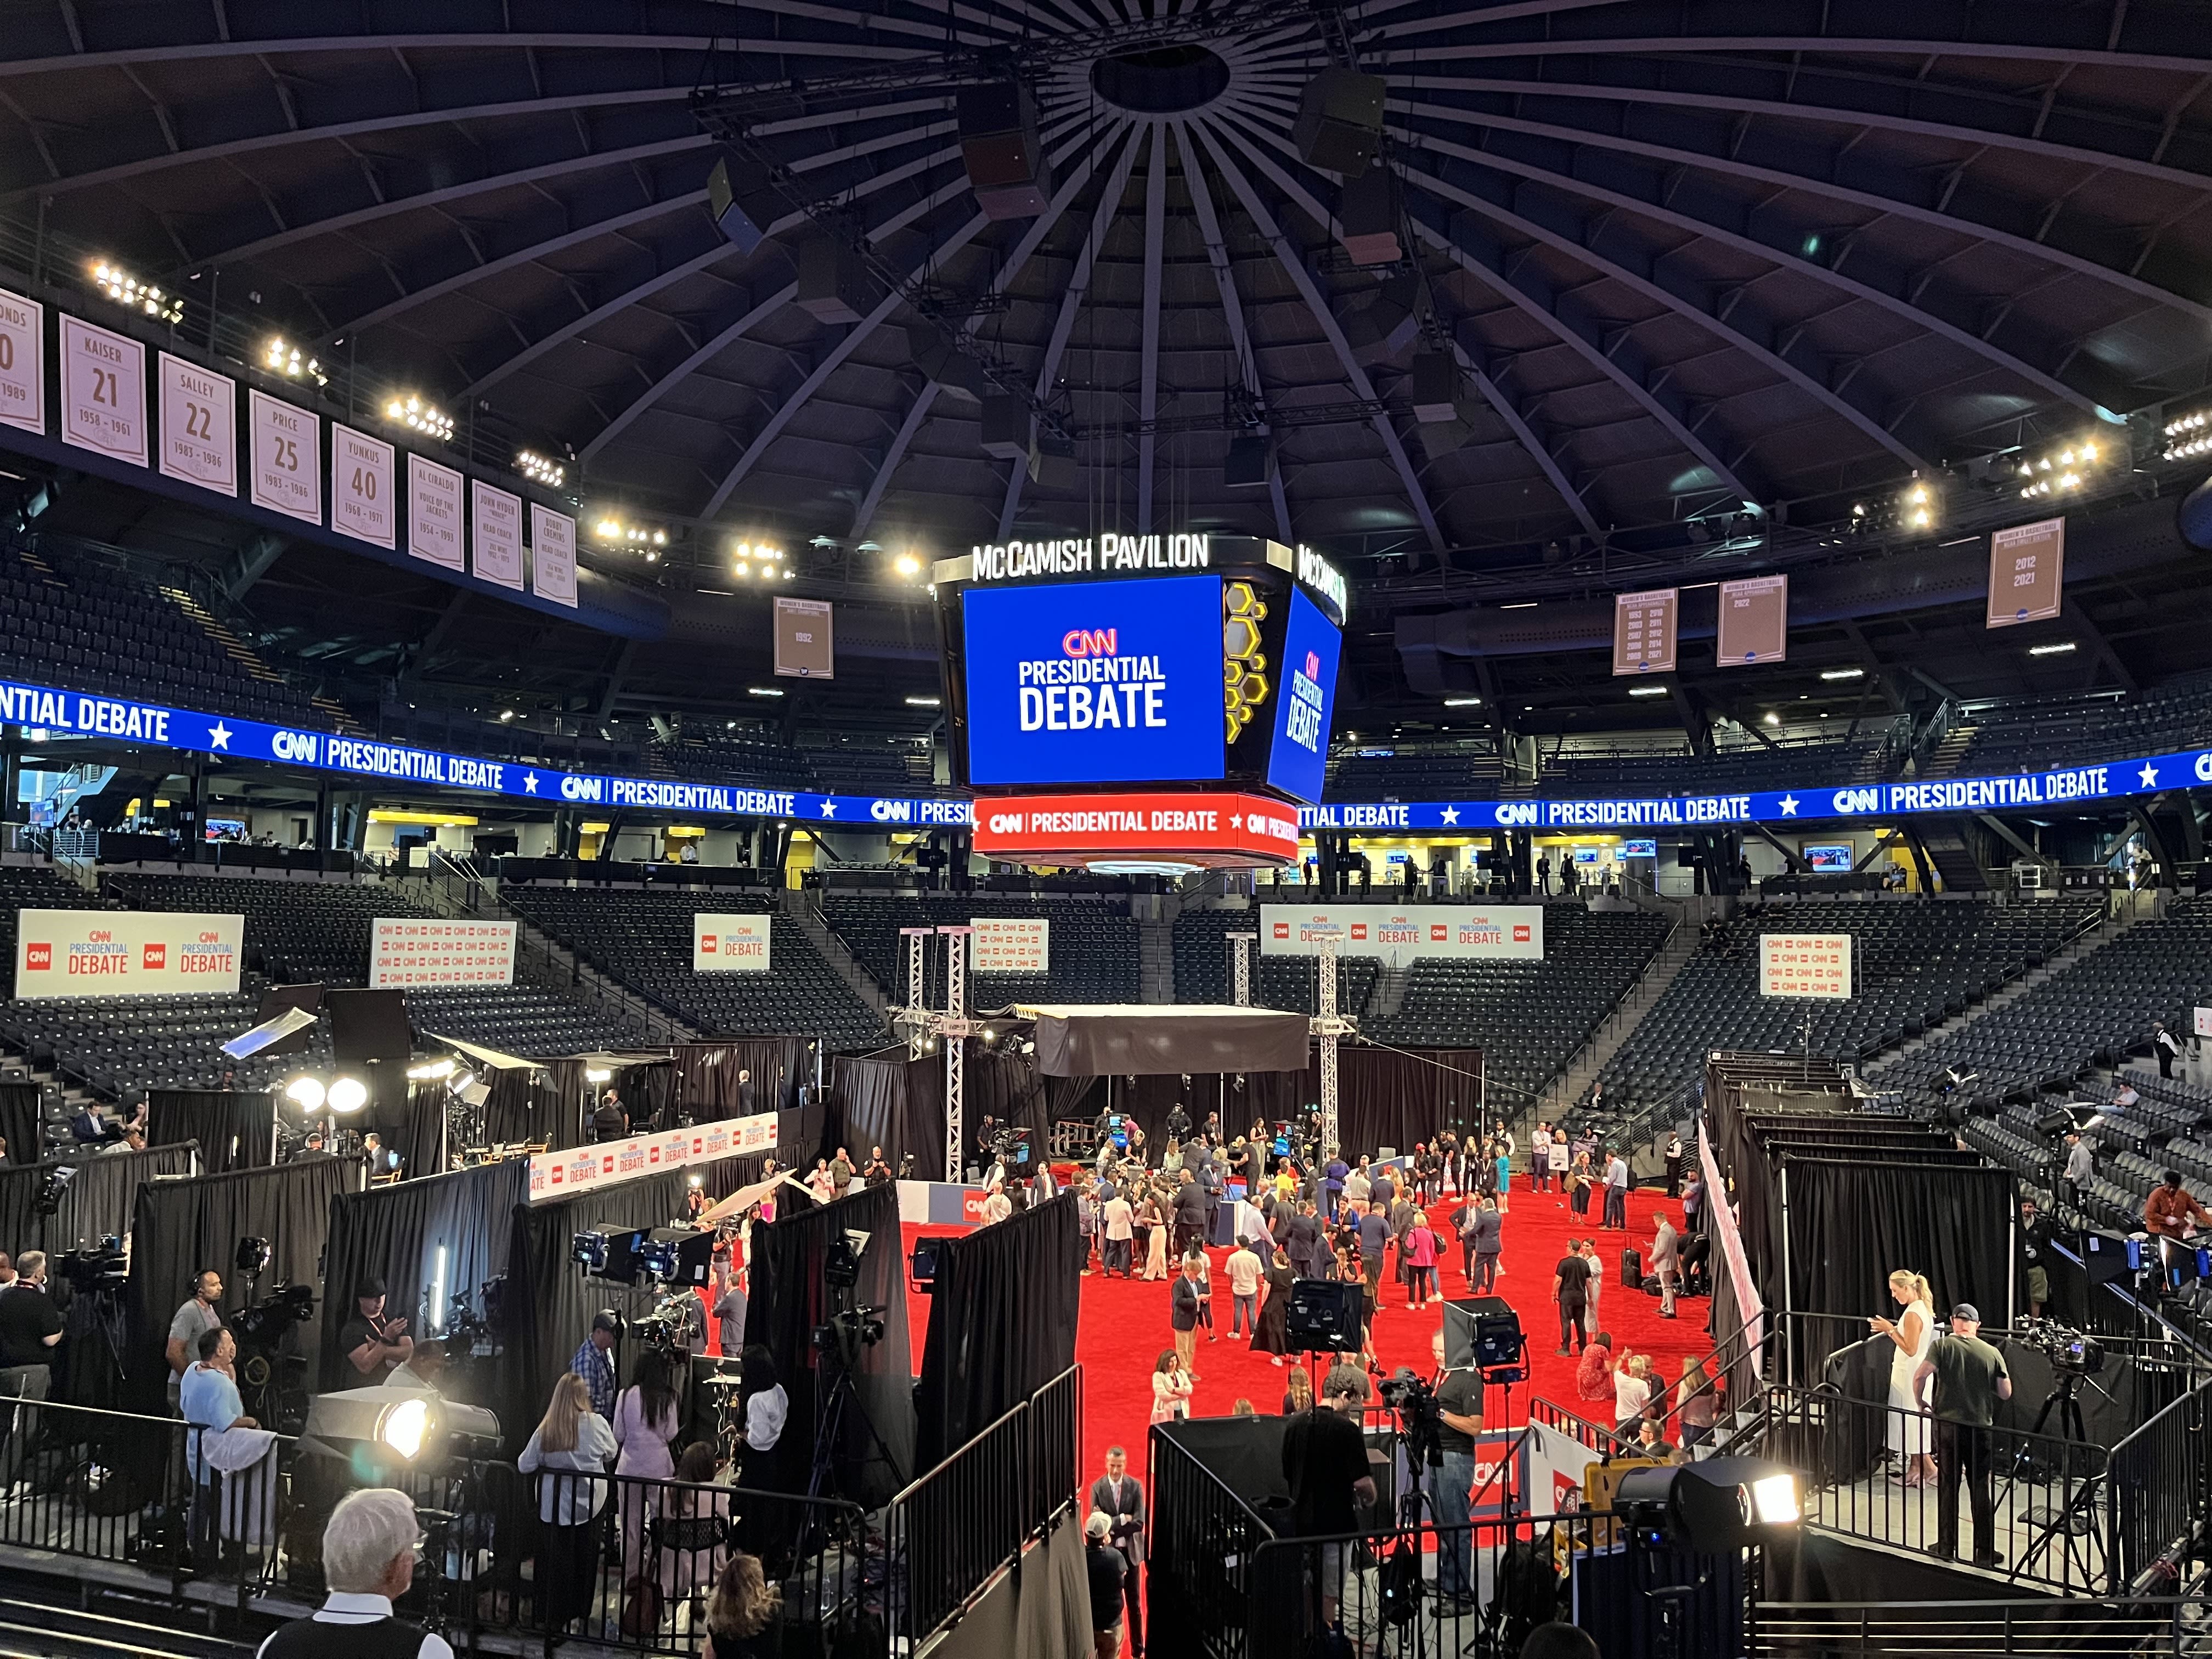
[(1451, 815), (530, 783), (218, 736), (2148, 774), (1790, 807)]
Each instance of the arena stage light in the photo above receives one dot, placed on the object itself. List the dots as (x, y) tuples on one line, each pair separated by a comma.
[(1713, 1507), (307, 1093), (348, 1094), (414, 1427)]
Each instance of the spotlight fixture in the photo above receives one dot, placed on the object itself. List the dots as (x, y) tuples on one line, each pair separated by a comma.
[(1773, 719), (434, 1069), (1917, 506), (1842, 673), (620, 532), (307, 1093), (906, 565), (348, 1094), (120, 286), (1719, 1505), (535, 468), (597, 1074), (2064, 471), (2062, 648), (2189, 434), (280, 357), (417, 414), (506, 714), (746, 554)]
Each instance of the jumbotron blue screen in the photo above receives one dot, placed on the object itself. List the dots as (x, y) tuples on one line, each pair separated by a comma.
[(1304, 698), (1095, 681)]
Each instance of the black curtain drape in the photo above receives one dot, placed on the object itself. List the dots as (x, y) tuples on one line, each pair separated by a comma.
[(1852, 1223), (522, 1106), (1395, 1097), (418, 1133), (181, 1226), (707, 1076), (788, 1298), (1002, 1323), (896, 1104), (232, 1127), (549, 1302), (19, 1121), (433, 1240), (100, 1201), (648, 1089)]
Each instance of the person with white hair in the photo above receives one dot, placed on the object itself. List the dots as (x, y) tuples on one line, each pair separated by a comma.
[(369, 1561)]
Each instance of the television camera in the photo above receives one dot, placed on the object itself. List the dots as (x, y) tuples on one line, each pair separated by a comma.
[(102, 1267), (2074, 1353), (1420, 1423)]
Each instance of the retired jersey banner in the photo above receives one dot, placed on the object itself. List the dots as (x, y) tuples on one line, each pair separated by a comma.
[(440, 951), (558, 1174), (125, 953), (729, 943), (1805, 965), (1405, 932), (1009, 945)]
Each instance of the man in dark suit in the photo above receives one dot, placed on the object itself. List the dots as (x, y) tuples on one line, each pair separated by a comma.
[(1119, 1497), (1489, 1244), (1190, 1216), (1306, 1247)]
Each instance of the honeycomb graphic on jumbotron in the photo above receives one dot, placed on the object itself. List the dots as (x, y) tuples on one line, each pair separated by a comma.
[(1243, 665)]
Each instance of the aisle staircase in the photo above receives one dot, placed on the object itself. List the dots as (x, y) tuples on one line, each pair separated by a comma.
[(801, 909), (249, 659), (1573, 1084), (1956, 866), (1156, 959)]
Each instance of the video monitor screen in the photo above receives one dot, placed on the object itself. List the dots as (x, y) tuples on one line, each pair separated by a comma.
[(1838, 859), (1114, 681), (1304, 702), (1639, 849)]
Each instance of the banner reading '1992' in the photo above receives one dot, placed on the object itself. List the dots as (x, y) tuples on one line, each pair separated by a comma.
[(125, 953)]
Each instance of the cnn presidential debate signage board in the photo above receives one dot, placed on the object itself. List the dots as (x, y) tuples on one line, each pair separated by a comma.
[(1009, 945), (609, 1163), (1805, 965), (729, 943), (440, 951), (1396, 933), (125, 953)]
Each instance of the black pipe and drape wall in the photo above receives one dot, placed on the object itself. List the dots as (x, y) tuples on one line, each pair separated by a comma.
[(450, 1229), (182, 1226), (1002, 1323), (19, 1121), (233, 1128), (898, 1104), (789, 1297), (100, 1199), (707, 1084), (548, 1301), (522, 1107)]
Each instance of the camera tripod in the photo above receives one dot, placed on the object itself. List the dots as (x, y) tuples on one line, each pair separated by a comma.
[(2077, 1515)]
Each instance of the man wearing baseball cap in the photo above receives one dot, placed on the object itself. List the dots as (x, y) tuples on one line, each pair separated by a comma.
[(1970, 1377)]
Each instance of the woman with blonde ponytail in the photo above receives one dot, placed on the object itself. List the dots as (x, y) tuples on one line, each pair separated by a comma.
[(1912, 1336)]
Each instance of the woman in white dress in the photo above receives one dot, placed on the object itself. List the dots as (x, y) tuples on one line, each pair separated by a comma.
[(1911, 1335)]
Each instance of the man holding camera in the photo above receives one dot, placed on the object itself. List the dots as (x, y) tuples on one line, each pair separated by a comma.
[(1459, 1419), (1325, 1463)]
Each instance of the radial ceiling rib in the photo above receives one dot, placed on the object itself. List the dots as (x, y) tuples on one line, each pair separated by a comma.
[(1932, 303), (1093, 146), (1942, 208), (1793, 107), (231, 149), (1071, 301), (1148, 368), (1561, 314), (916, 412), (698, 262), (1294, 266), (1558, 224), (1522, 423), (1233, 306), (338, 223)]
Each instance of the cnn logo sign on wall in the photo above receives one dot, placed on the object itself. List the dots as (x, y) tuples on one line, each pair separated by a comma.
[(971, 1207)]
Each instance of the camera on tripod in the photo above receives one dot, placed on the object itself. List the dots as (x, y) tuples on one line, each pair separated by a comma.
[(2070, 1351), (264, 1323), (1406, 1394), (844, 1334), (102, 1267)]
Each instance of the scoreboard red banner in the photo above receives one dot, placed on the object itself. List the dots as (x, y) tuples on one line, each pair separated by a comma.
[(1210, 829)]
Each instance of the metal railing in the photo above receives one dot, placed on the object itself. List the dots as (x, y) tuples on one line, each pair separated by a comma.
[(2103, 1628), (623, 1561), (2045, 1495), (950, 1531), (2158, 1488)]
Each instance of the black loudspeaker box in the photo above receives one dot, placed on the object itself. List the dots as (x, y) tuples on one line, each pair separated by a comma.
[(1325, 1315)]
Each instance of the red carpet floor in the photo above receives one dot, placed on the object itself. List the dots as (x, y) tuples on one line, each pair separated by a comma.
[(1125, 1326)]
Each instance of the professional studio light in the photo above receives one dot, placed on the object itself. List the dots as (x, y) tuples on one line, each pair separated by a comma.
[(404, 1426), (52, 1186), (253, 1257), (348, 1094), (307, 1093), (2189, 435), (418, 414), (1716, 1506), (436, 1068), (908, 566), (597, 1074), (120, 286), (415, 1428), (461, 1081)]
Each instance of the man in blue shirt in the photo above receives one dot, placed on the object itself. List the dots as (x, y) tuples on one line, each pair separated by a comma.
[(592, 1363), (1616, 1193), (1374, 1234), (207, 1394)]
